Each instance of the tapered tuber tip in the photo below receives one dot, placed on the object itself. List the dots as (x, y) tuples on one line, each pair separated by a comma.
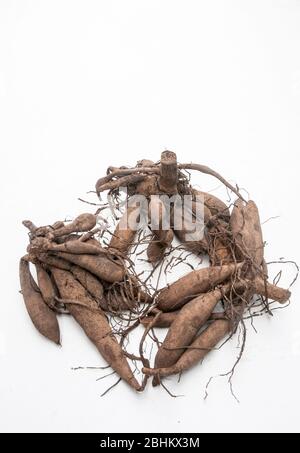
[(55, 337), (155, 381), (286, 296), (135, 385)]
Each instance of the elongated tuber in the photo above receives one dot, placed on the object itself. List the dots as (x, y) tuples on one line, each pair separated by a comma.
[(100, 265), (201, 346), (193, 284), (41, 315), (94, 323)]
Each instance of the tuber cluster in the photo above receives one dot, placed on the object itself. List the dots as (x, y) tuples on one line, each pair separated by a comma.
[(94, 280)]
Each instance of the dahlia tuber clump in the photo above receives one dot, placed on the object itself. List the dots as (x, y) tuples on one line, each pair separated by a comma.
[(89, 271)]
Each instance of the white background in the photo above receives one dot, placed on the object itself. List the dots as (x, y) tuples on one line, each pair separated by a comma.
[(88, 84)]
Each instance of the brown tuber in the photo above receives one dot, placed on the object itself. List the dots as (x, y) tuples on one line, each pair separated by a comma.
[(99, 265), (193, 284), (162, 234), (186, 325), (124, 235), (41, 315), (200, 347), (94, 323), (82, 223)]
